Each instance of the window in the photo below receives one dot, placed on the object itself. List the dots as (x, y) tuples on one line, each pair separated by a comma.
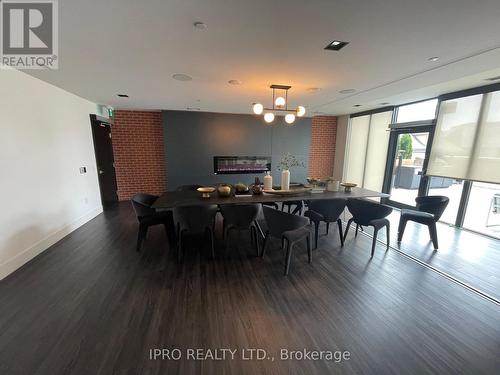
[(368, 139), (483, 209), (466, 144), (420, 111)]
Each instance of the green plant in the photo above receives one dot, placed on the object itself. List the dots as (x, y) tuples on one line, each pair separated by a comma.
[(289, 161), (406, 145)]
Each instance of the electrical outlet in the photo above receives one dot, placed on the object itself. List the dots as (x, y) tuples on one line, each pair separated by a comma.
[(83, 170)]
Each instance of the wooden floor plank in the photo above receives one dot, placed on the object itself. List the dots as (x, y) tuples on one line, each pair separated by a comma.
[(92, 305)]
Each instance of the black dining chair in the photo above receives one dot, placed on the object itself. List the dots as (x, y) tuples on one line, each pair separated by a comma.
[(188, 187), (290, 229), (239, 218), (195, 220), (148, 216), (429, 211), (328, 211), (368, 213)]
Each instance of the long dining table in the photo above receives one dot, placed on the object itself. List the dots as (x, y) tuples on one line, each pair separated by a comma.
[(173, 199)]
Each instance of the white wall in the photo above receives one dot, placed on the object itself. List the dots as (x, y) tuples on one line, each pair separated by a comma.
[(45, 136)]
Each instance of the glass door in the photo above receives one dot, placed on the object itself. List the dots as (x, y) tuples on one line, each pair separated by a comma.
[(405, 178), (404, 172)]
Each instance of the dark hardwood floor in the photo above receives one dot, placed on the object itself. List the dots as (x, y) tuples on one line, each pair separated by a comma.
[(467, 256), (92, 305)]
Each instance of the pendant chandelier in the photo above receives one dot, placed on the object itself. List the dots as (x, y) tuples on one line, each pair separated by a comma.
[(280, 105)]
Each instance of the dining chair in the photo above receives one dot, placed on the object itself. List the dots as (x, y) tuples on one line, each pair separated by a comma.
[(239, 218), (195, 220), (328, 211), (290, 229), (148, 216), (428, 212), (368, 213)]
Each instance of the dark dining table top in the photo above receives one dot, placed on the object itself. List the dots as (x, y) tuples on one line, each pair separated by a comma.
[(172, 199)]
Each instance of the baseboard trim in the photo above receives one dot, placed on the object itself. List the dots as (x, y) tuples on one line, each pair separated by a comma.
[(37, 248)]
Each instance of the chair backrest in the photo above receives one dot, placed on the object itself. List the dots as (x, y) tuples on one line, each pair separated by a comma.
[(195, 219), (363, 211), (142, 204), (188, 187), (329, 208), (239, 216), (279, 221), (433, 204)]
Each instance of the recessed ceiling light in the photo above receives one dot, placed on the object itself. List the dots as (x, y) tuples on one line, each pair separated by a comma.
[(357, 105), (122, 95), (234, 82), (336, 45), (182, 77), (347, 91), (200, 25), (313, 89), (433, 59)]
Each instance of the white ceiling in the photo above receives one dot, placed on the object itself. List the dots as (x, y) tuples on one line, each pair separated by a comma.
[(134, 47)]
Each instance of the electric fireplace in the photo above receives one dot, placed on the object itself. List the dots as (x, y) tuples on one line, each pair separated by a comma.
[(241, 164)]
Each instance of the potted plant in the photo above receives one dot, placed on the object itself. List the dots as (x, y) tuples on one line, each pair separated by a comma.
[(288, 161)]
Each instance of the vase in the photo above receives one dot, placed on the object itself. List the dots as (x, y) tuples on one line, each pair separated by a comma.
[(256, 188), (285, 180)]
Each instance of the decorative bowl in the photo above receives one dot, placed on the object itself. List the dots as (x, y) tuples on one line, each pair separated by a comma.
[(348, 186), (224, 190), (241, 188), (206, 191)]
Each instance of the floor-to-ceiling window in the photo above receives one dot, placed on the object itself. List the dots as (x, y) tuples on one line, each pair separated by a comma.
[(447, 146)]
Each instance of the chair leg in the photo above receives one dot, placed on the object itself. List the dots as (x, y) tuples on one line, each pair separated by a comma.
[(143, 230), (288, 257), (356, 233), (180, 245), (264, 245), (212, 248), (347, 227), (433, 234), (401, 228), (309, 251), (374, 242), (316, 230), (253, 233), (388, 235), (339, 223), (225, 237), (327, 227)]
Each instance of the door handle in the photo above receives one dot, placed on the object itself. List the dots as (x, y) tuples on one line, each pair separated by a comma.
[(101, 171)]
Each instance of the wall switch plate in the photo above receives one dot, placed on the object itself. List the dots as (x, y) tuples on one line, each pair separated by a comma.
[(83, 170)]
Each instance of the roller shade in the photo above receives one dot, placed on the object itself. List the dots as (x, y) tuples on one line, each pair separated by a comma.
[(466, 141), (366, 151)]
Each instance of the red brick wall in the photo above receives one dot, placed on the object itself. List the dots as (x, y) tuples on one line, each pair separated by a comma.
[(139, 153), (322, 149)]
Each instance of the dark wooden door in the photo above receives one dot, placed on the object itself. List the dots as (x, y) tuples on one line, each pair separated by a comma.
[(103, 147)]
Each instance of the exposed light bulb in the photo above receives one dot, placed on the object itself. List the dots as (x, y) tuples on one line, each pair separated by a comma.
[(258, 108), (301, 111), (280, 101), (290, 118), (269, 117)]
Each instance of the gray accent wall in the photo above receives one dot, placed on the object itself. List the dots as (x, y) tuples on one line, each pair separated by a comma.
[(192, 139)]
